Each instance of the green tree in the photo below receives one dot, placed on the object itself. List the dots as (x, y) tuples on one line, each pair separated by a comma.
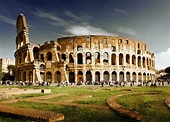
[(11, 69), (167, 70)]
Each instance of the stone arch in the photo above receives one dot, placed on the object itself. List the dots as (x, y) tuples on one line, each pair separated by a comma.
[(133, 59), (88, 58), (134, 76), (128, 59), (114, 76), (105, 57), (71, 77), (144, 65), (139, 77), (58, 76), (80, 76), (42, 76), (121, 59), (139, 61), (127, 76), (63, 56), (71, 59), (25, 55), (36, 52), (113, 49), (49, 76), (42, 67), (97, 57), (24, 76), (79, 48), (79, 58), (88, 76), (97, 76), (106, 76), (144, 77), (49, 56), (58, 48), (113, 59), (42, 57), (121, 76)]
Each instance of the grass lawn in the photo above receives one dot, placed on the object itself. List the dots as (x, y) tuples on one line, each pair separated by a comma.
[(149, 101)]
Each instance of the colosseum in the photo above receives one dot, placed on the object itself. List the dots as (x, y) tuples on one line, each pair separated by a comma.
[(81, 58)]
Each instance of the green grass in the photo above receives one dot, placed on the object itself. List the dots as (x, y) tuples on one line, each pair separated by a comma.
[(151, 105), (149, 101)]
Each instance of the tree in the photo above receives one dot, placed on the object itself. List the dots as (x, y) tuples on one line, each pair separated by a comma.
[(167, 70), (11, 69)]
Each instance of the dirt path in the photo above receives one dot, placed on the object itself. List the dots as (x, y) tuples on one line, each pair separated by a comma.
[(167, 101), (119, 108)]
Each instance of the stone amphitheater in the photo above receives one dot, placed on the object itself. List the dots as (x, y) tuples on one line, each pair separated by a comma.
[(92, 58)]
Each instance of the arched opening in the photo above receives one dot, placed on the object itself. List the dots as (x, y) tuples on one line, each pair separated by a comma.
[(113, 59), (113, 48), (128, 76), (144, 65), (88, 58), (30, 76), (71, 77), (139, 61), (97, 57), (139, 77), (106, 76), (88, 76), (121, 76), (128, 59), (58, 54), (71, 60), (42, 57), (97, 76), (58, 76), (114, 76), (133, 60), (24, 76), (63, 57), (144, 77), (20, 58), (42, 76), (80, 76), (58, 48), (79, 58), (42, 67), (79, 48), (25, 54), (134, 76), (49, 56), (120, 59), (49, 77), (105, 57), (36, 52)]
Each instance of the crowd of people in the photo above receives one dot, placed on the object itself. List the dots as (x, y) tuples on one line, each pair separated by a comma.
[(101, 83)]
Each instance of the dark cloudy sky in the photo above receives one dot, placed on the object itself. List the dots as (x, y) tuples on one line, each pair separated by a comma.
[(147, 21)]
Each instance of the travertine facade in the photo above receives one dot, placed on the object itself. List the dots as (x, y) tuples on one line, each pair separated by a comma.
[(81, 58)]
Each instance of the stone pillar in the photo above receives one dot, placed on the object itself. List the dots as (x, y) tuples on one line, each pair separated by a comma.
[(93, 76), (125, 79), (84, 76), (76, 76), (117, 76), (101, 76), (117, 60), (84, 58)]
